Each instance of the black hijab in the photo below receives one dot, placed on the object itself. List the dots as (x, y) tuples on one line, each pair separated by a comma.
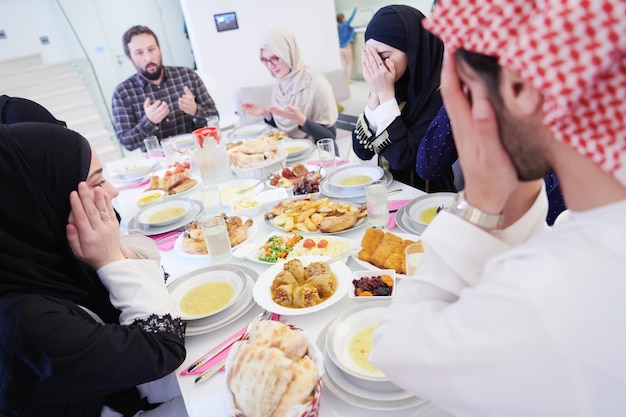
[(40, 165), (400, 26), (18, 110)]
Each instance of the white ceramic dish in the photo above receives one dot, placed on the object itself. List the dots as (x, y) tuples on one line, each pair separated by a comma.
[(262, 288), (366, 174), (371, 267), (179, 247), (229, 315), (247, 206), (181, 206), (228, 190), (214, 276), (329, 190), (403, 223), (339, 339), (297, 147), (337, 382), (250, 131), (356, 275), (134, 172), (134, 226), (414, 210)]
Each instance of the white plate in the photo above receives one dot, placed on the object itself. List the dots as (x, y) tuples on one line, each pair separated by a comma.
[(134, 172), (236, 282), (334, 380), (310, 168), (178, 245), (250, 131), (135, 227), (183, 205), (228, 120), (297, 147), (254, 256), (329, 190), (263, 297), (369, 266), (414, 209), (228, 189), (403, 223), (369, 174), (193, 177), (359, 223), (234, 312)]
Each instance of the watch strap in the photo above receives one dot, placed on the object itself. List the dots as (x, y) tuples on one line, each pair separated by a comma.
[(466, 211)]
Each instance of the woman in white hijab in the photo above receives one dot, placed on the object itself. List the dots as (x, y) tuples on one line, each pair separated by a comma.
[(303, 104)]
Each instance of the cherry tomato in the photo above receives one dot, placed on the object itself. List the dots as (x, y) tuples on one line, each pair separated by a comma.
[(322, 243), (179, 170), (308, 243), (186, 165), (168, 173)]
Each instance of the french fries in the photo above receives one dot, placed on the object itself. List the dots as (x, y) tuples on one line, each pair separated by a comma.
[(305, 215)]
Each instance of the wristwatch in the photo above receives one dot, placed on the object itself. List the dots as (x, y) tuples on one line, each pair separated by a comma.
[(464, 210)]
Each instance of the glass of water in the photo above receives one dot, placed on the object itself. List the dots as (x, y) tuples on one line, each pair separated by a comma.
[(216, 239), (377, 204)]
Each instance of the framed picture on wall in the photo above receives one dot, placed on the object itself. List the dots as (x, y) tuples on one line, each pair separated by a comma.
[(226, 21)]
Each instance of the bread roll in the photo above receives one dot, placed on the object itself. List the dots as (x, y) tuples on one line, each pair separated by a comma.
[(300, 388), (258, 379), (270, 333)]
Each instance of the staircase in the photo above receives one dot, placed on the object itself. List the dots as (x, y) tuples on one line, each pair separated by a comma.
[(70, 92)]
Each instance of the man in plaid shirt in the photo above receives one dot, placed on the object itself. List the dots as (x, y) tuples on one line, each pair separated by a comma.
[(157, 101)]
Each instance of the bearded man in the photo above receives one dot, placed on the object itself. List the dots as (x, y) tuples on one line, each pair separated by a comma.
[(509, 319), (158, 100)]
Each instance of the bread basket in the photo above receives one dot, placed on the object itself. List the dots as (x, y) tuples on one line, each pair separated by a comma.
[(263, 170)]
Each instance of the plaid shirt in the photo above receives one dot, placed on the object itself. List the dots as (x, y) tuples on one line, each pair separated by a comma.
[(129, 118)]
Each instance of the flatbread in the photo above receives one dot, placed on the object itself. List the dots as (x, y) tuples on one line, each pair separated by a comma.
[(258, 379), (301, 386), (271, 333)]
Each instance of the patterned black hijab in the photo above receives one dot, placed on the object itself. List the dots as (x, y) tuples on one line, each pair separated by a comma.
[(40, 165), (400, 26)]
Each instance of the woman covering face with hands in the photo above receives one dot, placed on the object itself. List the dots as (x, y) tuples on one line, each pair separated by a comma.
[(85, 329), (401, 64), (303, 104)]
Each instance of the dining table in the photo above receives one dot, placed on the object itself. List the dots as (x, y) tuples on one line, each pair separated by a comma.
[(208, 398)]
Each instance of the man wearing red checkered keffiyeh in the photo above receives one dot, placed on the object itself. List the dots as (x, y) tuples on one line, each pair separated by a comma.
[(507, 318)]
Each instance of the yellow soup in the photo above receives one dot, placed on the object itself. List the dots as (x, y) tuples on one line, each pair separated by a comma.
[(229, 194), (148, 198), (206, 298), (355, 180), (360, 347), (295, 148), (428, 215), (165, 214)]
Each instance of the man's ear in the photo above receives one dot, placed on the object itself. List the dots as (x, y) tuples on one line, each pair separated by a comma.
[(518, 94)]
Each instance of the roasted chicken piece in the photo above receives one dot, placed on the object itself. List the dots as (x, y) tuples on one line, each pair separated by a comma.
[(333, 224), (237, 229)]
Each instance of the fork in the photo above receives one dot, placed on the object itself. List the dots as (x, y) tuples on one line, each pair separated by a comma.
[(213, 353), (242, 191)]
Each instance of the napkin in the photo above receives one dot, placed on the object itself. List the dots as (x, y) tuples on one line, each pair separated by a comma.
[(222, 355), (165, 241), (394, 206), (337, 163)]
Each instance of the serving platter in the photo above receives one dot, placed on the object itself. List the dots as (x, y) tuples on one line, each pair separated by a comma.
[(179, 247), (368, 266), (134, 226), (229, 315), (262, 288)]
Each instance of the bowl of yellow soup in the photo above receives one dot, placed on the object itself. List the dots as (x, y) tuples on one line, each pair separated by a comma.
[(164, 213), (207, 293), (355, 176), (349, 344), (423, 210), (229, 190), (149, 197)]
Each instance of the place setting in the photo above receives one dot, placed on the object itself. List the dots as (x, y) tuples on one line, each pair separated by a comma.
[(417, 214), (349, 182), (165, 216)]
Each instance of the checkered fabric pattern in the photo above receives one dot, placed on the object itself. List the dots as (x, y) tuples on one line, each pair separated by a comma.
[(574, 51)]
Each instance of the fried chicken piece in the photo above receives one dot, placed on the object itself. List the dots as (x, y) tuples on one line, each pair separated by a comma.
[(388, 244), (371, 239), (397, 260)]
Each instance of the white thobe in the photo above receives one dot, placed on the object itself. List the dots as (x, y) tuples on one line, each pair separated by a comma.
[(523, 323)]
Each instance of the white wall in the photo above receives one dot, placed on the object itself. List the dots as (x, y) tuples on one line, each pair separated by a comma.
[(231, 58), (367, 8)]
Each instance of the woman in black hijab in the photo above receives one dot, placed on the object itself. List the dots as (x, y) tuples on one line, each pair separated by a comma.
[(82, 326), (19, 110), (401, 64)]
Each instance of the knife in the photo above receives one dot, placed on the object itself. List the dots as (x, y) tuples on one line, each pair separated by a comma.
[(209, 372)]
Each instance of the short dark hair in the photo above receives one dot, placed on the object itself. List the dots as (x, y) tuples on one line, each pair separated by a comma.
[(134, 31), (341, 17), (486, 66)]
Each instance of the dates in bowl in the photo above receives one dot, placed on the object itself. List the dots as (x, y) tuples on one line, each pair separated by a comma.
[(373, 285)]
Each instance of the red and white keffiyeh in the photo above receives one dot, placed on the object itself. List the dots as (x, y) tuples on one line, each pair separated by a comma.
[(574, 51)]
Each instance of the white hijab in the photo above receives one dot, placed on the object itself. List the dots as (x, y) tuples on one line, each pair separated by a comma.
[(308, 91)]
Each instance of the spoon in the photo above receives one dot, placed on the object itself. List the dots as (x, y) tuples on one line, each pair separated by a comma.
[(243, 190)]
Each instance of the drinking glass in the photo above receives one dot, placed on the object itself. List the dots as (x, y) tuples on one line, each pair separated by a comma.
[(413, 255), (210, 196), (377, 204), (153, 147), (326, 150), (216, 239), (168, 150)]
